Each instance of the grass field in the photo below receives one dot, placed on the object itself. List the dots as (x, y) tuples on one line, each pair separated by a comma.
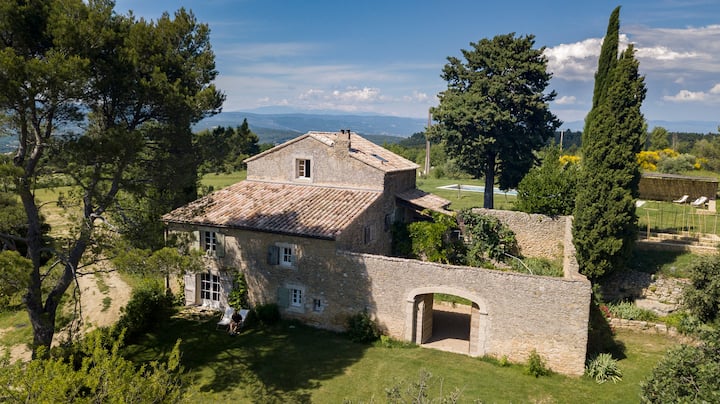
[(294, 363)]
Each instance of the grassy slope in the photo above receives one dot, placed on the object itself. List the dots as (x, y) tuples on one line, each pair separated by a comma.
[(294, 363)]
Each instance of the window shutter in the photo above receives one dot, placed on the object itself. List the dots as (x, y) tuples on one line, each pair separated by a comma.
[(220, 248), (273, 255), (307, 168), (196, 240), (283, 297), (293, 257)]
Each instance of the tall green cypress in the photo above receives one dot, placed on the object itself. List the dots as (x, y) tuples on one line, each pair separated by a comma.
[(605, 225), (608, 57)]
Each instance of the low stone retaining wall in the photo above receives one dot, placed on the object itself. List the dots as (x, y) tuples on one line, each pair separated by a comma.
[(643, 326), (660, 294)]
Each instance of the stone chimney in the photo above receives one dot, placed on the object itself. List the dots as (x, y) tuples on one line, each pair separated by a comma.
[(342, 144)]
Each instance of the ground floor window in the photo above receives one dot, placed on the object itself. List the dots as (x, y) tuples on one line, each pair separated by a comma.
[(296, 297), (209, 289)]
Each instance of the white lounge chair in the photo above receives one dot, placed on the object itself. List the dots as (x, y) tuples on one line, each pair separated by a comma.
[(226, 318), (699, 201), (682, 199)]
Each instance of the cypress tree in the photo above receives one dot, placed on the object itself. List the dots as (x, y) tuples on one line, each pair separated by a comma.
[(608, 57), (605, 226)]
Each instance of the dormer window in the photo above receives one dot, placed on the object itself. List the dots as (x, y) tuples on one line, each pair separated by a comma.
[(302, 168)]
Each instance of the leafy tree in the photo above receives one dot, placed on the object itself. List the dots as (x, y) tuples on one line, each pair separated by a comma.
[(147, 83), (94, 375), (605, 224), (431, 239), (550, 188), (487, 238), (494, 114), (659, 138), (164, 262), (224, 149)]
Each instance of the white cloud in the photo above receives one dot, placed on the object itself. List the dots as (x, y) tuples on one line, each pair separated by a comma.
[(566, 100), (715, 89), (686, 96), (575, 61), (365, 94)]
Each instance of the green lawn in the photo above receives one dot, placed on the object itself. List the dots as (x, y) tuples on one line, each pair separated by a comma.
[(219, 181), (668, 217), (295, 363)]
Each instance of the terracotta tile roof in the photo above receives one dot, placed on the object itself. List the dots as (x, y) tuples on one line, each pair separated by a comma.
[(360, 148), (425, 200), (304, 210)]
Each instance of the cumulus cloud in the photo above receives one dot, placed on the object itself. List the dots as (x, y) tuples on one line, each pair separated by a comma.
[(574, 61), (712, 95), (566, 100), (686, 96)]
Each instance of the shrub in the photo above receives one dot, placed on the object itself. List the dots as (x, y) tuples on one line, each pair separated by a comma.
[(629, 311), (488, 238), (686, 374), (101, 376), (536, 365), (268, 314), (361, 328), (386, 341), (148, 304), (551, 187), (237, 297), (603, 368), (702, 295)]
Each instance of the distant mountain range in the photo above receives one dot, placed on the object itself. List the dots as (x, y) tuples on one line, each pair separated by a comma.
[(278, 127)]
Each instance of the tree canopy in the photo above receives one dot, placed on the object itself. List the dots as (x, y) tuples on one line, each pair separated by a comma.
[(105, 100), (223, 149), (494, 113)]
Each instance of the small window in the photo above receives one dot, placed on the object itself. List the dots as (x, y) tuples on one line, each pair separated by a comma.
[(368, 235), (302, 167), (282, 254), (317, 305), (296, 297), (210, 242)]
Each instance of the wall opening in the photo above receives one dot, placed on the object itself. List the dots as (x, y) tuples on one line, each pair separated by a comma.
[(450, 325), (434, 322)]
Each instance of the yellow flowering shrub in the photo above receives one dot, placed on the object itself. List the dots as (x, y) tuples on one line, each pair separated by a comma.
[(648, 159), (569, 159)]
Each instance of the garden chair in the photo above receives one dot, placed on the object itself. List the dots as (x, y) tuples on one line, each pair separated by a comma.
[(682, 199), (226, 318), (699, 201)]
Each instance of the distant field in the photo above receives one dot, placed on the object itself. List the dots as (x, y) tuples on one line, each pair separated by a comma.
[(219, 181)]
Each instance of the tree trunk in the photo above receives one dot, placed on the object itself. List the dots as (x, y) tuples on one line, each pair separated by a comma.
[(489, 182)]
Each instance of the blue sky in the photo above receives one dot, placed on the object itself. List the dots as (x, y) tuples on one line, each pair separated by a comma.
[(386, 57)]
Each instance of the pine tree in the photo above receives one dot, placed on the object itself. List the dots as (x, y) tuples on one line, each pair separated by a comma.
[(605, 225)]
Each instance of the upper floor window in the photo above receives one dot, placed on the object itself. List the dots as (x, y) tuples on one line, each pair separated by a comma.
[(282, 254), (210, 242), (302, 168)]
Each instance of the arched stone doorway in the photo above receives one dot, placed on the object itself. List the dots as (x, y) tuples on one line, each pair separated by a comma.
[(447, 329)]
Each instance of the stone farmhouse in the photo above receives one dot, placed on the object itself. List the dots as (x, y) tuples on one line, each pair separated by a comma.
[(310, 228)]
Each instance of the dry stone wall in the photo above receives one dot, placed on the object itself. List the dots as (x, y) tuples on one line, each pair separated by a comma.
[(537, 235)]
